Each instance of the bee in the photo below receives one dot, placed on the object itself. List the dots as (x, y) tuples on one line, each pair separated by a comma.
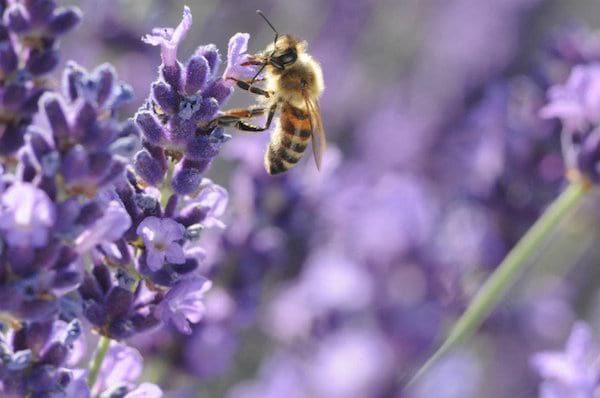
[(291, 87)]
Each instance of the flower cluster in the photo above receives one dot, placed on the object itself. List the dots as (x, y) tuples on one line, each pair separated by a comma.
[(35, 360), (88, 243), (29, 32), (186, 97)]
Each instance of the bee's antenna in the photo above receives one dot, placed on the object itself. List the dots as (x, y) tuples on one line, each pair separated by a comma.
[(259, 12)]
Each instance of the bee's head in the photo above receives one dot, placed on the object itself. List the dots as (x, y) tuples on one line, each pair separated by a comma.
[(284, 50)]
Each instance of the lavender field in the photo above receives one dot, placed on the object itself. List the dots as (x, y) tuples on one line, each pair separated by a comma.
[(447, 246)]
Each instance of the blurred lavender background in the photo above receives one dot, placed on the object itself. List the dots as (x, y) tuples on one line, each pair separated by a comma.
[(341, 283)]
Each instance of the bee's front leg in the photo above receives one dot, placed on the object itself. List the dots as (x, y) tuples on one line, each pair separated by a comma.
[(248, 86), (234, 118)]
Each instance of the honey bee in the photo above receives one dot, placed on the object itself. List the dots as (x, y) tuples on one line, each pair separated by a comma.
[(291, 87)]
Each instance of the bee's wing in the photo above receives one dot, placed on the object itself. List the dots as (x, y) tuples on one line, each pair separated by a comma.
[(319, 142)]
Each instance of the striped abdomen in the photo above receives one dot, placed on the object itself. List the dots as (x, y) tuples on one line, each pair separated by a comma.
[(290, 139)]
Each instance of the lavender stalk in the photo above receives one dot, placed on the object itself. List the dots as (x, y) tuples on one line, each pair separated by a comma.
[(505, 275), (96, 363)]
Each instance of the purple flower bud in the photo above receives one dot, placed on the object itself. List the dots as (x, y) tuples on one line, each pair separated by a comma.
[(118, 301), (70, 80), (27, 215), (211, 53), (196, 74), (85, 120), (56, 116), (75, 164), (206, 147), (151, 128), (150, 166), (64, 20), (172, 74), (183, 304), (165, 97), (15, 18), (188, 175), (169, 39), (13, 95), (8, 58), (42, 62), (219, 90), (11, 138), (106, 77), (40, 11), (160, 238)]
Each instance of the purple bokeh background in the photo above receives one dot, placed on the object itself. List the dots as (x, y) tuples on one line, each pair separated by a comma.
[(340, 283)]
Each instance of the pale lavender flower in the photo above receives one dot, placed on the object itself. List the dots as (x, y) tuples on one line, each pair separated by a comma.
[(145, 390), (110, 227), (206, 207), (169, 39), (577, 102), (160, 236), (236, 56), (573, 372), (26, 215), (184, 304), (120, 369)]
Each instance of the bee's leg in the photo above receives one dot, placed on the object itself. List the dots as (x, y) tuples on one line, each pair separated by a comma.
[(233, 118), (249, 87)]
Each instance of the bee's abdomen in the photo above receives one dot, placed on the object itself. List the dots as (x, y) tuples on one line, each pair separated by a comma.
[(289, 140)]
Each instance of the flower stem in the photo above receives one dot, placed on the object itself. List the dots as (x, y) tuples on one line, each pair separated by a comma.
[(96, 363), (492, 291)]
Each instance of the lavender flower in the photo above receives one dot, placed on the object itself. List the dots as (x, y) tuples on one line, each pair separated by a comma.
[(119, 372), (35, 359), (236, 57), (577, 102), (572, 373), (160, 237), (183, 304), (175, 119), (29, 32), (27, 216), (168, 38), (113, 309)]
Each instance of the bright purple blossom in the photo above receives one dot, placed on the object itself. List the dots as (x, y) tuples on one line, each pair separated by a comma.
[(161, 237), (169, 39), (26, 215), (183, 304)]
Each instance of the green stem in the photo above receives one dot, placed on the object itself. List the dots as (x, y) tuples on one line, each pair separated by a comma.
[(96, 363), (507, 272)]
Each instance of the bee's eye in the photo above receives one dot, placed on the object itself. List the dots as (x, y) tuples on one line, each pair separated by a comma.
[(287, 57)]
